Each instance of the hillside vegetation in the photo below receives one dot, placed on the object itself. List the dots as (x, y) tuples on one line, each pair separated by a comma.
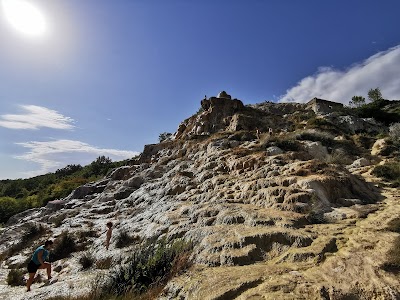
[(22, 194)]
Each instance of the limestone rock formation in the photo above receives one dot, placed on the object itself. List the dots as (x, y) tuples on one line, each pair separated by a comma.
[(270, 216)]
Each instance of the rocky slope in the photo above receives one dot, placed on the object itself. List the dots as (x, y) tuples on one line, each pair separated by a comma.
[(292, 215)]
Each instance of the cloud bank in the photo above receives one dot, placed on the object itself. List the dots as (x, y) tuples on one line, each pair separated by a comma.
[(59, 153), (36, 117), (380, 70)]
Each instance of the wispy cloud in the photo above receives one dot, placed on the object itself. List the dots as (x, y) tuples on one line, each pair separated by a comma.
[(35, 117), (52, 155), (380, 70)]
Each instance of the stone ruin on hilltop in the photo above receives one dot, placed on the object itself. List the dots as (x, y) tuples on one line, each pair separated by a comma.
[(222, 113)]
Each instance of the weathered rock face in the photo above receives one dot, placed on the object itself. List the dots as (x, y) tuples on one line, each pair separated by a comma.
[(279, 217), (354, 124)]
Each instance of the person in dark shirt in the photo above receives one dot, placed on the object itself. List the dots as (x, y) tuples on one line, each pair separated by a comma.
[(38, 261)]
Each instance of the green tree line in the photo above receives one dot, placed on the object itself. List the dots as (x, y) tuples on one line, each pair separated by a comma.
[(374, 108), (21, 194)]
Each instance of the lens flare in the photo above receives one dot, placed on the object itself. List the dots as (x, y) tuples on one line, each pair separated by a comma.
[(24, 17)]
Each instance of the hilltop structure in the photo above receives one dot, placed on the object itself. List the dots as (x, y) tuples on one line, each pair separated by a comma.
[(321, 106)]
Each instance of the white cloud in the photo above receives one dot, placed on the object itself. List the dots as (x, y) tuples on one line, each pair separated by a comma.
[(36, 117), (57, 154), (380, 70)]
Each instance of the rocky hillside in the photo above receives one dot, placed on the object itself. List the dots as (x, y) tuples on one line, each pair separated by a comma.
[(278, 201)]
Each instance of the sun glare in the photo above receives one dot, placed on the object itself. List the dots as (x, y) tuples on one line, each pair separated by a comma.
[(24, 17)]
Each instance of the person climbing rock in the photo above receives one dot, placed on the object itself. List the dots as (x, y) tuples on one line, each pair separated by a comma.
[(109, 233), (38, 261)]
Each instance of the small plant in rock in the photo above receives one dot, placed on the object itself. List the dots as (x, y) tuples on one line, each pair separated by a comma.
[(15, 277), (104, 263), (86, 260), (394, 225), (33, 232), (87, 233), (151, 265), (315, 214), (123, 239), (392, 263), (63, 247)]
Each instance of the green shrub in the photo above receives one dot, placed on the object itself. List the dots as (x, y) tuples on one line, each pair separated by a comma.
[(325, 138), (322, 124), (337, 158), (364, 141), (86, 260), (388, 171), (375, 110), (15, 277), (8, 207), (288, 144), (347, 147), (151, 264), (63, 247)]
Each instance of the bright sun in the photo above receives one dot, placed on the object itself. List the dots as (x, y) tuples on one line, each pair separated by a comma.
[(25, 17)]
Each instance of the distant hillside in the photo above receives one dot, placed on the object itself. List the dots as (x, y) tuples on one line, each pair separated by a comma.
[(21, 194)]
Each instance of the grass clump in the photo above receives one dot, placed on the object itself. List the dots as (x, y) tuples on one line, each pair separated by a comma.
[(325, 138), (86, 260), (288, 144), (394, 225), (390, 172), (104, 263), (392, 263), (151, 266), (63, 247), (123, 239), (337, 158), (15, 277)]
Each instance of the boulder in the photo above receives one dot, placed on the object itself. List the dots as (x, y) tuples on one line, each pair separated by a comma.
[(361, 162), (379, 147), (55, 204), (274, 150), (121, 173), (315, 149)]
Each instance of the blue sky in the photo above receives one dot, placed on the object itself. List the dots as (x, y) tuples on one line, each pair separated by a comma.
[(107, 77)]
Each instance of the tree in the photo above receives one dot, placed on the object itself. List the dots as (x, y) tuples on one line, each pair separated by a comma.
[(357, 101), (8, 207), (68, 170), (100, 166), (375, 95)]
